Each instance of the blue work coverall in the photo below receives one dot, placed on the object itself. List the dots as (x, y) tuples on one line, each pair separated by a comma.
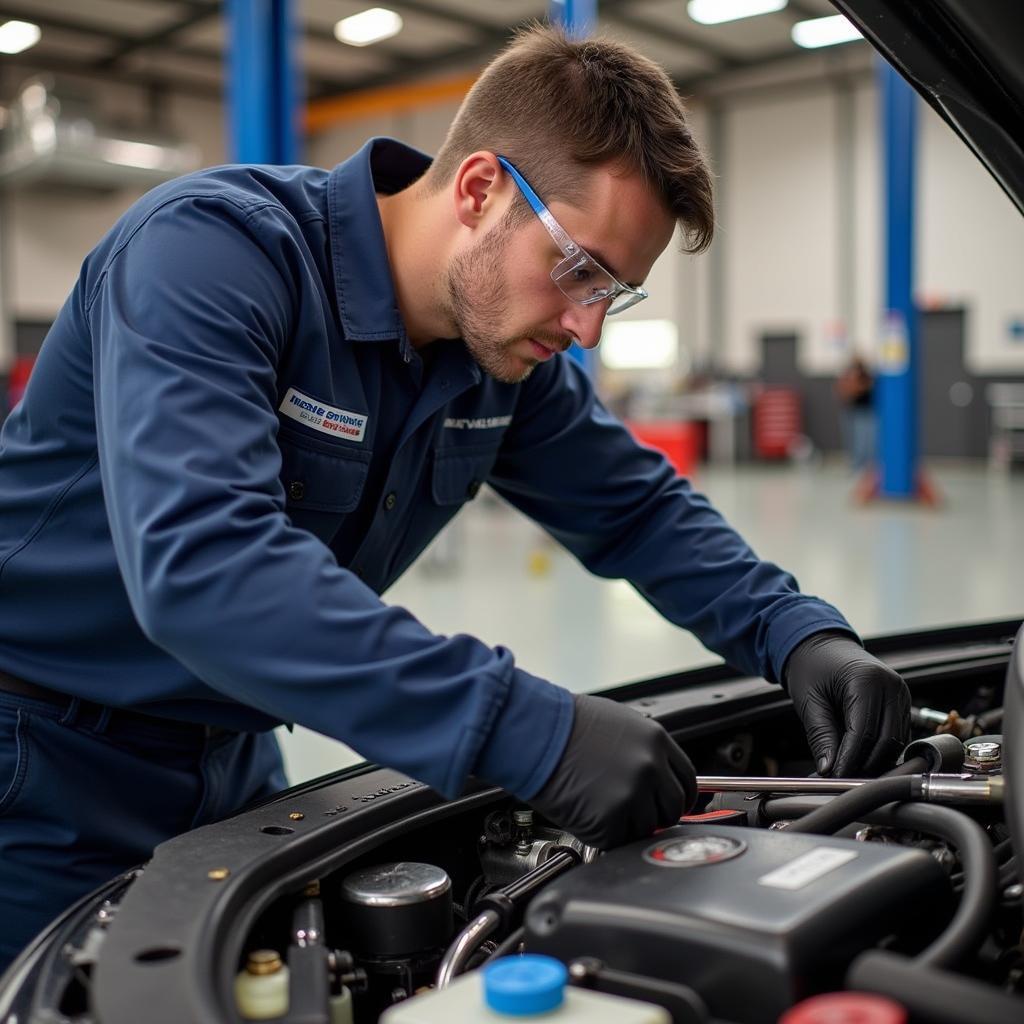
[(227, 451)]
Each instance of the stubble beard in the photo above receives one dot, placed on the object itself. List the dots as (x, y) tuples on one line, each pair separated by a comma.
[(477, 295)]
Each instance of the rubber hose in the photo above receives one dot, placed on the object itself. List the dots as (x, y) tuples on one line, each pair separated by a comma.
[(981, 878), (970, 923), (931, 994), (912, 766), (786, 808), (855, 803)]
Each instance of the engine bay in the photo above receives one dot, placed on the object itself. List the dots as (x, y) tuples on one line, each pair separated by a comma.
[(364, 897)]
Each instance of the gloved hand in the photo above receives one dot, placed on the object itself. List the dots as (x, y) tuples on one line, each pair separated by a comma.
[(620, 778), (855, 710)]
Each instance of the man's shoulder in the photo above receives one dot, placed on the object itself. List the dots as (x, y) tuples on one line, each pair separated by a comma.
[(295, 190)]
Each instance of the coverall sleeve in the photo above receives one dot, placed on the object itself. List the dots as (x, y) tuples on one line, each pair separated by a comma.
[(190, 320), (621, 509)]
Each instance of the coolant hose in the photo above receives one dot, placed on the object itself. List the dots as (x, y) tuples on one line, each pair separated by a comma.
[(970, 923), (930, 994), (855, 803)]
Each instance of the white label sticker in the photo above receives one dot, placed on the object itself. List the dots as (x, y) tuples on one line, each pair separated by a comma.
[(325, 418), (807, 868)]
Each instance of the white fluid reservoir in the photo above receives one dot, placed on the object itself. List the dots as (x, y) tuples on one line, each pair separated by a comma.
[(521, 988)]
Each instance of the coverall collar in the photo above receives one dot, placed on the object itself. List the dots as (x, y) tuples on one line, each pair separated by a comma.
[(359, 257)]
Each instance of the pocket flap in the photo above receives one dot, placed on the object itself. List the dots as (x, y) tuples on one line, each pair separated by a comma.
[(458, 476), (322, 480)]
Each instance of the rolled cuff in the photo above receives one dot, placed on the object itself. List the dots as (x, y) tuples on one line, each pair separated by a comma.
[(528, 737), (795, 624)]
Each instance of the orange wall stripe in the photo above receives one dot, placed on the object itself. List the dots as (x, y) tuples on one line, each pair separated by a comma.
[(324, 114)]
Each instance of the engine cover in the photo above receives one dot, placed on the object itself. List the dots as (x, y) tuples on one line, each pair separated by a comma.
[(752, 920)]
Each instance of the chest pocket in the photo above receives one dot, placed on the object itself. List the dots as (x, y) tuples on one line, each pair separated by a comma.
[(459, 473), (322, 483)]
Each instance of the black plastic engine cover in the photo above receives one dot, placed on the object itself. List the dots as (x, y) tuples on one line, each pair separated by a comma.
[(753, 920)]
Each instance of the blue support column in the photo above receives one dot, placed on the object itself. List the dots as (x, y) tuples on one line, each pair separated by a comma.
[(262, 82), (578, 18), (897, 381)]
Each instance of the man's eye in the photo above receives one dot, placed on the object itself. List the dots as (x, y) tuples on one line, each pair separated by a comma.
[(582, 275)]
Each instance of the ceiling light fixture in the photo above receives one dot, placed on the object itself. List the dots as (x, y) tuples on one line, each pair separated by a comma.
[(16, 36), (714, 12), (368, 27), (825, 32)]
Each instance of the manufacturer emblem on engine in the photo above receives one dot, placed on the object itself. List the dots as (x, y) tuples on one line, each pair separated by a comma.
[(693, 851)]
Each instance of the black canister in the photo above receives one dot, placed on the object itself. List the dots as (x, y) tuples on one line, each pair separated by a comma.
[(397, 910)]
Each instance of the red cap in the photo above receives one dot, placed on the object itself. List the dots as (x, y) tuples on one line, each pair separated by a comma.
[(845, 1008)]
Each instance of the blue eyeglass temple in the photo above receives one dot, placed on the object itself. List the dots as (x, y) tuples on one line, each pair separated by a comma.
[(524, 186)]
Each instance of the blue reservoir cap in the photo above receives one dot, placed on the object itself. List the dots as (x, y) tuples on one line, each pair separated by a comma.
[(523, 985)]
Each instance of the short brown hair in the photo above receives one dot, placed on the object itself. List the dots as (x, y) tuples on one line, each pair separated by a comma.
[(552, 105)]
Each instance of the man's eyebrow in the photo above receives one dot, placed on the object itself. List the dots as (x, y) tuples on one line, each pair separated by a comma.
[(599, 256)]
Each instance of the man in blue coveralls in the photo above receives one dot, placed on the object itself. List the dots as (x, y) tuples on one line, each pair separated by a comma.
[(267, 392)]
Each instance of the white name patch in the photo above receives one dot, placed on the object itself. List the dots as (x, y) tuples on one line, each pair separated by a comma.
[(481, 423), (806, 869), (325, 418)]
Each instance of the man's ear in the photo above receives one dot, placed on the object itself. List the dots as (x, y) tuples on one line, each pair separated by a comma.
[(479, 181)]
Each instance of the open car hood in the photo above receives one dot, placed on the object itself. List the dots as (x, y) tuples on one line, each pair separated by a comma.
[(964, 58)]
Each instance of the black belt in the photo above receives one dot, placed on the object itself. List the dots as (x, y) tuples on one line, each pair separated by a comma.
[(90, 711)]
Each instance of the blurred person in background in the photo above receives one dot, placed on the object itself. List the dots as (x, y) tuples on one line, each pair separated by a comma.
[(855, 389)]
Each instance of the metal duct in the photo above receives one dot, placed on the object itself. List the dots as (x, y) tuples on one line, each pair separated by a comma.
[(51, 136)]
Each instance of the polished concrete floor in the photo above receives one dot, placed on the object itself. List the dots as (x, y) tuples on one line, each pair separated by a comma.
[(889, 567)]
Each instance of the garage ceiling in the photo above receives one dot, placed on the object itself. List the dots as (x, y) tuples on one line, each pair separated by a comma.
[(180, 44)]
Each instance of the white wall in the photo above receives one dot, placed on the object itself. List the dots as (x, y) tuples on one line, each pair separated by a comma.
[(970, 248), (779, 226)]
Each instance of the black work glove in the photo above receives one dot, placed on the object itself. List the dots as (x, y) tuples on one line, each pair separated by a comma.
[(620, 778), (855, 710)]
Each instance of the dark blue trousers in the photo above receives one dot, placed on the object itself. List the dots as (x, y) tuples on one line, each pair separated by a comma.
[(86, 794)]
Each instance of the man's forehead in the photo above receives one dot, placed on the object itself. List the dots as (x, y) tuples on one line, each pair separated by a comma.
[(622, 223)]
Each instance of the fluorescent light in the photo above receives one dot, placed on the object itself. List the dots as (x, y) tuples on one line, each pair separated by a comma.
[(714, 12), (640, 345), (368, 27), (824, 32), (135, 154), (16, 36)]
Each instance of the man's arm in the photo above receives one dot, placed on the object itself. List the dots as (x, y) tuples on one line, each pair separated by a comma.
[(621, 509)]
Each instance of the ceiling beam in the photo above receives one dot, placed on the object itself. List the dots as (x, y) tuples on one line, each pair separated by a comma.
[(86, 69), (94, 31), (622, 15), (482, 50), (196, 16)]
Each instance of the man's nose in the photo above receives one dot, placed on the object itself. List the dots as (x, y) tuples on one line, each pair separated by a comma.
[(584, 323)]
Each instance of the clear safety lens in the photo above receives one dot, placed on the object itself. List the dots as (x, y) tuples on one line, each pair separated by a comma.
[(582, 279)]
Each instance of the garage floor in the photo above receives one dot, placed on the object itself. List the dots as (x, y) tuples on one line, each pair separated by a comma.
[(888, 567)]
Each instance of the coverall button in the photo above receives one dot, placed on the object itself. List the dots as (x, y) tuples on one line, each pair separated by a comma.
[(389, 501), (296, 490), (474, 488)]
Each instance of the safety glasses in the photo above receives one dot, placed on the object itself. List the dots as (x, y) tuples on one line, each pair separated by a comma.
[(579, 276)]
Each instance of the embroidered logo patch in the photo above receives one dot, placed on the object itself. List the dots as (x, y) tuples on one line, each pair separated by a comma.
[(480, 423), (325, 418)]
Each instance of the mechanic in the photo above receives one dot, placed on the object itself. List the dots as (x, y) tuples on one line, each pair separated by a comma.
[(269, 389)]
